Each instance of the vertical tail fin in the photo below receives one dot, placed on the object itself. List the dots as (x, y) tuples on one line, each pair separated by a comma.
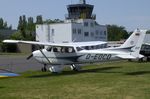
[(140, 34), (132, 40), (132, 45)]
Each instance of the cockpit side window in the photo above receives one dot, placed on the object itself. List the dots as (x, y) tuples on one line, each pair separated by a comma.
[(55, 49), (67, 50), (71, 50), (79, 48), (86, 47), (62, 49), (92, 47), (49, 49)]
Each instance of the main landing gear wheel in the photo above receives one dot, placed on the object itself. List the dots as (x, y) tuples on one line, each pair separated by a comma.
[(44, 69)]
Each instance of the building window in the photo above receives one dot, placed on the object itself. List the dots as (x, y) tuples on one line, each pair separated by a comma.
[(74, 31), (92, 34), (96, 37), (53, 32), (101, 33), (96, 32), (79, 31), (86, 34), (104, 32), (86, 24), (92, 24)]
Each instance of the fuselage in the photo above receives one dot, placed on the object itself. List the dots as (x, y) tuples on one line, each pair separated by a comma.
[(76, 57)]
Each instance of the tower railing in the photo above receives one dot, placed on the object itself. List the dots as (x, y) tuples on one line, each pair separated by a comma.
[(80, 16)]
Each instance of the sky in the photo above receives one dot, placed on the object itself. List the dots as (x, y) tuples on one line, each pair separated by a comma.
[(131, 14)]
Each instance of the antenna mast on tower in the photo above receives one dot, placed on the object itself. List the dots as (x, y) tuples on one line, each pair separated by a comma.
[(82, 2)]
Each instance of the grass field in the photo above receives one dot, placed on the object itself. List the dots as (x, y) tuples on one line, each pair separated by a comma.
[(119, 80)]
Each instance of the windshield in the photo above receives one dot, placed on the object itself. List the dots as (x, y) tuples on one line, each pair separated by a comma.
[(79, 48), (49, 49)]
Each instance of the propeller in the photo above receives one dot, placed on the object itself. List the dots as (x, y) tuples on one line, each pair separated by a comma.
[(30, 56)]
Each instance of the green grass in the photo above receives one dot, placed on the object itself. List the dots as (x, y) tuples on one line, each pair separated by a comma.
[(119, 80)]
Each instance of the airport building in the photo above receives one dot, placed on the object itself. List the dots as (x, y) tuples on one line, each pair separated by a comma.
[(5, 33), (79, 25)]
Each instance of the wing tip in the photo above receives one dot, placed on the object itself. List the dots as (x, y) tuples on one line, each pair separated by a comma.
[(10, 41)]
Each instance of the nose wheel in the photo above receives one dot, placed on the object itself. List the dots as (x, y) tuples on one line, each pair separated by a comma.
[(44, 69)]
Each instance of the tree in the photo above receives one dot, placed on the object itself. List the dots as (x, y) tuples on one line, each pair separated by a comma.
[(31, 25), (116, 33), (22, 25), (148, 32), (3, 24), (39, 19), (31, 29), (1, 37), (26, 28), (17, 36)]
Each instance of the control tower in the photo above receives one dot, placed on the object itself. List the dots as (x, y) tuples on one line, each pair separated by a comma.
[(80, 11)]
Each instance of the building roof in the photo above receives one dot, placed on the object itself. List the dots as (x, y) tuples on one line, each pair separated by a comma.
[(6, 33)]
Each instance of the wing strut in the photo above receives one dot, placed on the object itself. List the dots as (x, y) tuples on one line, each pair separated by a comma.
[(42, 52)]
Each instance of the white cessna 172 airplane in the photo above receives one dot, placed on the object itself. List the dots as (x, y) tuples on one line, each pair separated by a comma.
[(59, 55)]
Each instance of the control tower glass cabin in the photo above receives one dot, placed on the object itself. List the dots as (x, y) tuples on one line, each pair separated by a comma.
[(80, 11)]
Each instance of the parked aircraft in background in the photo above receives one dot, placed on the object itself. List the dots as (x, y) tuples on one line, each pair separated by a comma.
[(59, 55), (145, 50)]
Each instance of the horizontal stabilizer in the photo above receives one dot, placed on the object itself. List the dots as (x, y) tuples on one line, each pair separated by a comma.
[(129, 56), (126, 56)]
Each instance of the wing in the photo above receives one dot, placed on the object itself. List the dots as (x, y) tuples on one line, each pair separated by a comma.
[(75, 44), (90, 43), (32, 43)]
